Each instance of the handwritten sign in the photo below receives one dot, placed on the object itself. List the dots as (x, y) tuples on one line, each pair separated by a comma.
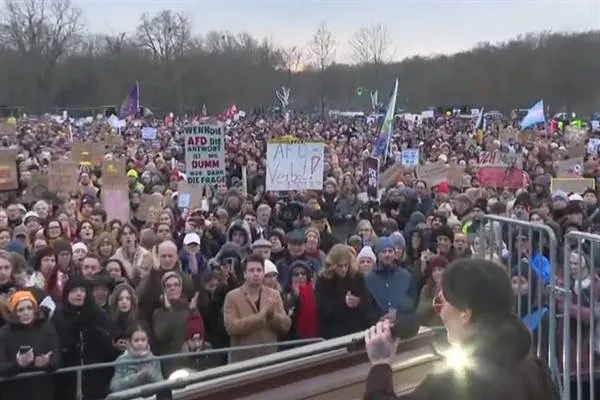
[(410, 158), (113, 173), (9, 176), (115, 200), (371, 167), (150, 207), (498, 158), (205, 154), (433, 174), (570, 168), (189, 196), (63, 176), (87, 153), (295, 165), (37, 188), (572, 185)]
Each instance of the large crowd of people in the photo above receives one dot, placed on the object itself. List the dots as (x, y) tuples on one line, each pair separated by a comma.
[(262, 267)]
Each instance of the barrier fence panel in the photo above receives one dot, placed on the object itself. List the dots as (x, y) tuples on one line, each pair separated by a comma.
[(530, 253), (580, 306)]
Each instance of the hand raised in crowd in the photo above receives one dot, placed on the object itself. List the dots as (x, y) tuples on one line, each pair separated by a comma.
[(166, 302), (194, 301), (425, 256), (43, 360), (379, 343), (26, 358), (270, 306), (351, 300)]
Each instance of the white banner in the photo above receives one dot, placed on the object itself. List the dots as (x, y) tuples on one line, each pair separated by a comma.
[(205, 154), (295, 165)]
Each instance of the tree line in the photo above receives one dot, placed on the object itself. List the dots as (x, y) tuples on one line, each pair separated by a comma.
[(49, 62)]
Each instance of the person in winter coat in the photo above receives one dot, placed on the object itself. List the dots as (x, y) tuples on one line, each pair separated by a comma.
[(296, 251), (239, 233), (28, 342), (344, 304), (426, 313), (135, 374), (300, 303), (168, 321), (123, 309), (85, 337), (366, 260), (392, 287), (477, 303), (195, 343)]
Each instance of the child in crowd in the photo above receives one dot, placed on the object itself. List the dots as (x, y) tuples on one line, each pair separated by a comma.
[(131, 375)]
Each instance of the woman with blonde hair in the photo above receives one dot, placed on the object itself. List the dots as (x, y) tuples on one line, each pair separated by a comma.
[(344, 305), (365, 230)]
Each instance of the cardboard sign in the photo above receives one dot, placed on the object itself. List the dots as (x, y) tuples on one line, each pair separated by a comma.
[(37, 189), (115, 200), (87, 153), (113, 173), (572, 185), (7, 129), (432, 174), (150, 207), (9, 171), (391, 176), (458, 178), (63, 176), (189, 196), (570, 168), (576, 150)]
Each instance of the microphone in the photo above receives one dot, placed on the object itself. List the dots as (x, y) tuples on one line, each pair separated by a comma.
[(405, 327)]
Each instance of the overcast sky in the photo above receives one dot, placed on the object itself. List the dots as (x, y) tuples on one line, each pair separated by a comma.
[(421, 27)]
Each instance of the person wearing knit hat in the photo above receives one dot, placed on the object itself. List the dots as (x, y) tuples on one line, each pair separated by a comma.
[(443, 238), (391, 286), (80, 250), (22, 296), (366, 259)]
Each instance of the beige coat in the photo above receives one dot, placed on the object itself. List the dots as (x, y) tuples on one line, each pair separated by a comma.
[(142, 260), (247, 326)]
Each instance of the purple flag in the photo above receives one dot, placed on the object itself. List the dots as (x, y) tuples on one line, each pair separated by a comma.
[(131, 103)]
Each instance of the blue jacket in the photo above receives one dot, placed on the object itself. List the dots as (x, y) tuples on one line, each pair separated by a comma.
[(392, 288), (541, 266), (184, 257)]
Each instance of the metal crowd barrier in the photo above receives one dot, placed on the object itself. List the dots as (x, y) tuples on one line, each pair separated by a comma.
[(80, 369), (526, 248), (580, 331)]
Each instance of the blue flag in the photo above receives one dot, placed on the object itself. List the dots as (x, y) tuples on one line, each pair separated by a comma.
[(534, 116), (131, 103), (382, 143)]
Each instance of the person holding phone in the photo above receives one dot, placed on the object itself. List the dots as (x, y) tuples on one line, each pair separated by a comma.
[(28, 343)]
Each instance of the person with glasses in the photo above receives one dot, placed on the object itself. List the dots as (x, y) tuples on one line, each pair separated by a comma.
[(490, 355)]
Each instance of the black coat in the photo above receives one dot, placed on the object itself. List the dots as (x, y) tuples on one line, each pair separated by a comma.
[(42, 337), (85, 337), (335, 318), (504, 370)]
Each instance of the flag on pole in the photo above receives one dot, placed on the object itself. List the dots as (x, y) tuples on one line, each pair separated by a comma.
[(131, 103), (382, 144), (534, 116), (479, 128)]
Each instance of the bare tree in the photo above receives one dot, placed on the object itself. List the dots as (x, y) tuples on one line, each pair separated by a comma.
[(372, 45), (291, 60), (41, 33), (322, 46), (167, 35)]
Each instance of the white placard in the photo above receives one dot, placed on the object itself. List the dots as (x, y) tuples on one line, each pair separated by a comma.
[(295, 165), (205, 154)]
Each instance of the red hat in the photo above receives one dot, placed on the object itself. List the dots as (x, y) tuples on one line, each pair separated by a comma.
[(194, 326)]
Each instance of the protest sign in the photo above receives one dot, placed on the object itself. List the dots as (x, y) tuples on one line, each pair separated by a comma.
[(371, 168), (391, 176), (37, 189), (150, 207), (9, 171), (113, 173), (294, 165), (570, 168), (410, 158), (433, 174), (189, 196), (63, 176), (502, 177), (593, 146), (572, 185), (115, 200), (7, 129), (457, 177), (149, 133), (87, 153), (205, 154)]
